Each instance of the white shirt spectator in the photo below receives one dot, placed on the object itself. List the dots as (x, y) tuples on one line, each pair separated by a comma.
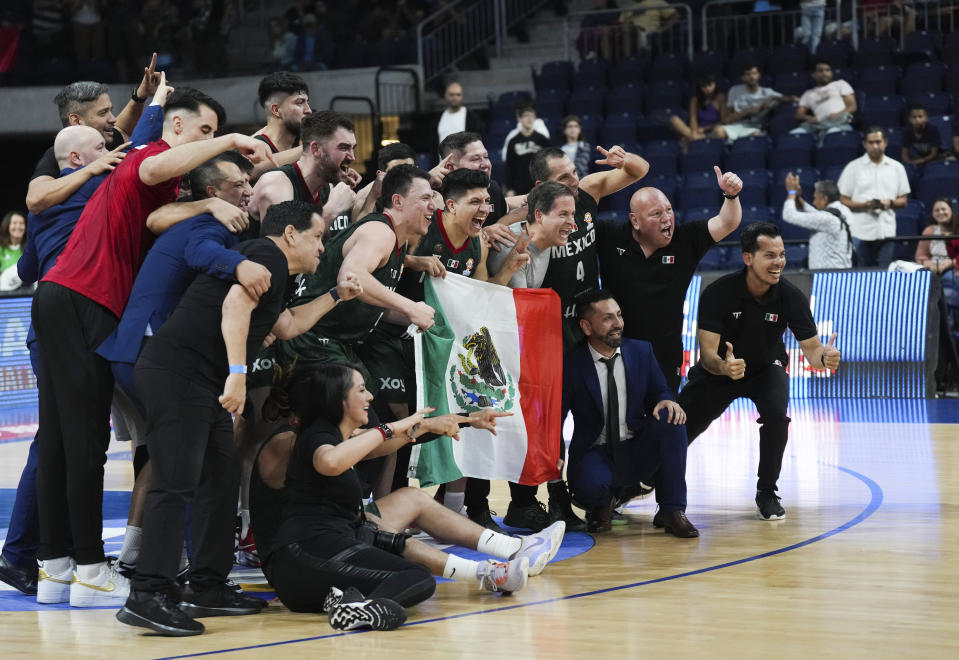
[(826, 100), (862, 180), (451, 122), (739, 98), (829, 244)]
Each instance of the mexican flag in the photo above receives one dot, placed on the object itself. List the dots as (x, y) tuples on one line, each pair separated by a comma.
[(491, 347)]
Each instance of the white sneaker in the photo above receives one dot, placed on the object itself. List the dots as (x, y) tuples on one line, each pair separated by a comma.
[(107, 588), (53, 586), (541, 547), (504, 577)]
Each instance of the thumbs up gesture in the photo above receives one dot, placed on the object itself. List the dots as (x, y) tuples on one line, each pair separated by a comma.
[(734, 367), (830, 354)]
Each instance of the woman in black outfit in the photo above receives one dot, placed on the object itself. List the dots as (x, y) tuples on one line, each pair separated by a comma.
[(327, 551)]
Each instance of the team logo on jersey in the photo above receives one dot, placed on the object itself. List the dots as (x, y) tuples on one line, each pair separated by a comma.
[(588, 218), (478, 379), (772, 318), (669, 260), (452, 263), (469, 267), (621, 251), (736, 315)]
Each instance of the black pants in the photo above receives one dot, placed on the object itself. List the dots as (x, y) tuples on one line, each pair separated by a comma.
[(190, 439), (477, 494), (302, 573), (706, 397), (76, 387)]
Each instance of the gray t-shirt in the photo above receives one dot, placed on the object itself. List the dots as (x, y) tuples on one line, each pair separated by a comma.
[(740, 98), (529, 276)]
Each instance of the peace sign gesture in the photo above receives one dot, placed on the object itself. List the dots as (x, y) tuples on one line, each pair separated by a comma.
[(518, 257)]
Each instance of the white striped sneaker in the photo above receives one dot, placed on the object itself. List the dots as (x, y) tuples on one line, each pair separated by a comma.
[(54, 586), (107, 588)]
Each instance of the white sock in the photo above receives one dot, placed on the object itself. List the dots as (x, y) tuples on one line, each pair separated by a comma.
[(498, 545), (86, 572), (244, 515), (130, 551), (454, 501), (458, 568), (57, 565)]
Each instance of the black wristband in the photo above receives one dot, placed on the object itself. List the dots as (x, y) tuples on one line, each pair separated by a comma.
[(730, 196), (335, 295), (386, 431), (135, 98)]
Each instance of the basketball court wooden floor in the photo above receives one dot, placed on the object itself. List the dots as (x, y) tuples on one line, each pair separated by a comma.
[(864, 566)]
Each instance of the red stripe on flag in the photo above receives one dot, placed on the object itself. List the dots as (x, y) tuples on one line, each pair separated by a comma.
[(539, 317)]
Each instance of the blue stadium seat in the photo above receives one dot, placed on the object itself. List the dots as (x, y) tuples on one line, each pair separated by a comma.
[(833, 173), (554, 122), (755, 194), (662, 95), (791, 231), (743, 57), (695, 164), (848, 74), (909, 222), (836, 154), (873, 52), (711, 148), (928, 189), (936, 103), (922, 42), (797, 256), (706, 62), (702, 179), (944, 124), (590, 123), (554, 75), (792, 83), (781, 124), (943, 169), (649, 128), (690, 198), (788, 57), (625, 98), (743, 160), (667, 67), (550, 101), (881, 110), (667, 183), (699, 213), (627, 71), (792, 151), (587, 102), (662, 163), (756, 214), (713, 259), (835, 52), (894, 144), (878, 80), (922, 77), (619, 128)]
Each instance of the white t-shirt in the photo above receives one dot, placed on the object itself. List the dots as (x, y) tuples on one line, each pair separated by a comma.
[(826, 100), (451, 122), (862, 180)]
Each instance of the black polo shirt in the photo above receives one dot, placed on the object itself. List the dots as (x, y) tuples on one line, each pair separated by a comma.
[(651, 290), (755, 328)]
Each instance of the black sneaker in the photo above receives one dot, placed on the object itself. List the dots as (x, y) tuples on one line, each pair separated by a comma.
[(159, 613), (484, 518), (222, 600), (768, 506), (532, 516), (624, 495), (355, 611), (561, 507)]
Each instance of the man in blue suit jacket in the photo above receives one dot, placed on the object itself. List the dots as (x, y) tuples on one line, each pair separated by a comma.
[(647, 433)]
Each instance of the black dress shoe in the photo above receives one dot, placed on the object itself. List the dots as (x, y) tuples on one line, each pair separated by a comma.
[(676, 523), (561, 507), (158, 612), (532, 516), (484, 518), (23, 580), (599, 519), (222, 600)]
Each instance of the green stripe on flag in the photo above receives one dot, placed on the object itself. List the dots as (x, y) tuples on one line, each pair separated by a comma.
[(436, 463)]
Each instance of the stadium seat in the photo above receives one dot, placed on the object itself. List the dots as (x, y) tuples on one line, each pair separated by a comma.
[(834, 52), (667, 67), (788, 57), (625, 98), (873, 52), (627, 71), (714, 259), (699, 197), (663, 95), (878, 80), (792, 83), (808, 176), (668, 184), (882, 110), (848, 74), (944, 124), (923, 43), (838, 149), (936, 103), (706, 62), (792, 151), (797, 256)]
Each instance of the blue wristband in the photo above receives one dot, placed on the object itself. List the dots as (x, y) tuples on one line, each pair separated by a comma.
[(790, 192), (237, 368), (335, 295)]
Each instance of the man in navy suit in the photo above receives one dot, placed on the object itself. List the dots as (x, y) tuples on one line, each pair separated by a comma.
[(221, 187), (627, 425)]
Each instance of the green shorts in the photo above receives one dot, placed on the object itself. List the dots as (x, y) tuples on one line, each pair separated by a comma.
[(372, 509), (389, 359)]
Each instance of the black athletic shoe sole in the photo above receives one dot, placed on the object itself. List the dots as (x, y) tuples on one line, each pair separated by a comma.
[(198, 611), (378, 614), (131, 618)]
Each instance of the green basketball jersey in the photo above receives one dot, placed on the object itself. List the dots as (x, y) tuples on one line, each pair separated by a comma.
[(351, 320), (463, 261)]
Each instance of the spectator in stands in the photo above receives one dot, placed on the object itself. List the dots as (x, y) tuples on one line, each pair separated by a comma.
[(705, 111), (160, 22), (456, 117), (812, 15), (830, 243), (314, 48), (13, 232), (828, 107), (939, 256), (88, 35), (873, 186), (281, 45), (748, 105), (647, 17), (920, 141), (575, 146), (520, 150), (539, 126), (124, 44)]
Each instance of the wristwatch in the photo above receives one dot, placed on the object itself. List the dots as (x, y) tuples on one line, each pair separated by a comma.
[(137, 99)]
